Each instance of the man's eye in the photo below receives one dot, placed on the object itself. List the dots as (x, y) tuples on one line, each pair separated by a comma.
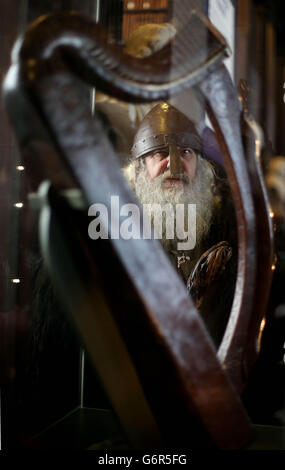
[(160, 155), (187, 153)]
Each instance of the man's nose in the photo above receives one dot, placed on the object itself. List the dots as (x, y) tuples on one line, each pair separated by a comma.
[(174, 161)]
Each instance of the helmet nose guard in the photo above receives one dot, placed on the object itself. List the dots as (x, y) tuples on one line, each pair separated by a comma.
[(175, 165)]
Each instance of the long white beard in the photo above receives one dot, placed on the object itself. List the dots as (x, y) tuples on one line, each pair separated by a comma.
[(199, 192)]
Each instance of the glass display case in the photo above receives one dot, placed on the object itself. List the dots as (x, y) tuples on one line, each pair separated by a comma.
[(54, 394)]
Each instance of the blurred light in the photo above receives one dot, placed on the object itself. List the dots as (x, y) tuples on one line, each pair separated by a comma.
[(273, 267), (18, 204), (261, 328), (15, 281), (271, 214), (20, 168)]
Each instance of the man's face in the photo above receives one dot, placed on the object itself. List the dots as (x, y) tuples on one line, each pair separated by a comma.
[(159, 162), (155, 184)]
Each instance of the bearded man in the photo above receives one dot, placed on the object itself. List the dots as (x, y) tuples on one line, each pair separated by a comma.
[(168, 167)]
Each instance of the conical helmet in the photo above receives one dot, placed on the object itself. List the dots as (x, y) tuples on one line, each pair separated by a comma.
[(164, 125)]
